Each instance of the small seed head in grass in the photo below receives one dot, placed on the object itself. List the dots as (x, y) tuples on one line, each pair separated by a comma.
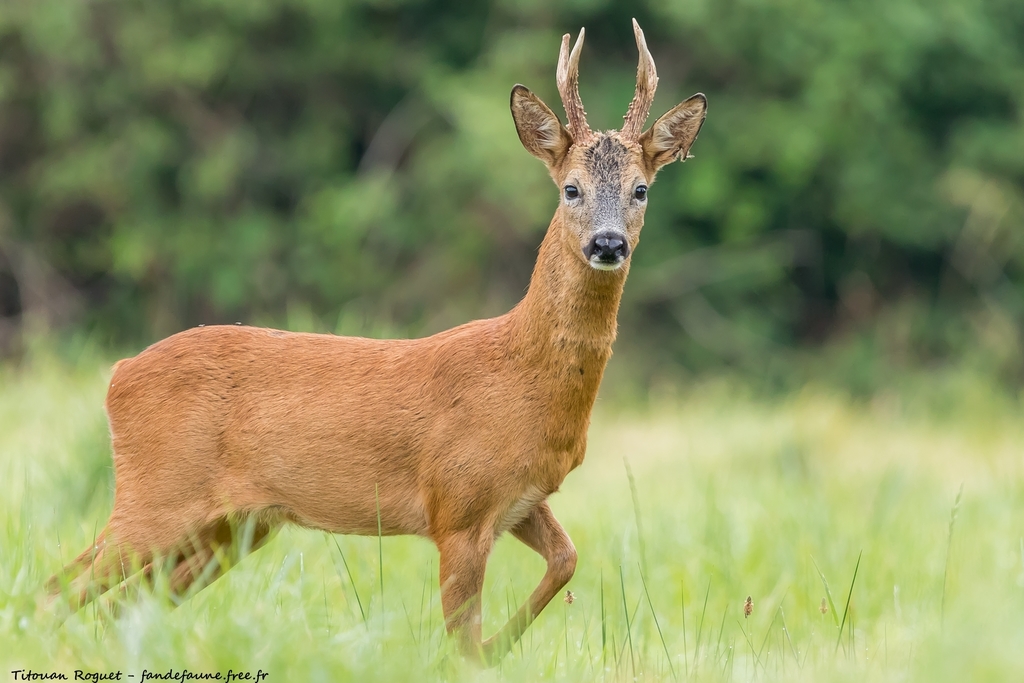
[(748, 607), (824, 607), (569, 597)]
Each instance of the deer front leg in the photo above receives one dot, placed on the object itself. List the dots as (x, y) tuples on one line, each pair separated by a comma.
[(463, 561), (542, 532)]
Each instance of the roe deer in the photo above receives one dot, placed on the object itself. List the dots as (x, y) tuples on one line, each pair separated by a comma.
[(458, 437)]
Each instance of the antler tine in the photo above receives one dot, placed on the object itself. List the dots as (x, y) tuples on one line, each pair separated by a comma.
[(567, 76), (646, 84)]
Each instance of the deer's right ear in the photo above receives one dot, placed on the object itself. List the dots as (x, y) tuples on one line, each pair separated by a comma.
[(540, 131)]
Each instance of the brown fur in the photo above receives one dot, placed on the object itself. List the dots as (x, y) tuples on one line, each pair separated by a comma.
[(457, 437)]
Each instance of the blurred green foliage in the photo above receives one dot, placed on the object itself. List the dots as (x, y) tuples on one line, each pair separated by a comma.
[(351, 165)]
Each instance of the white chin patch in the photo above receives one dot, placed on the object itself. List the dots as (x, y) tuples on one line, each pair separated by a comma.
[(601, 265)]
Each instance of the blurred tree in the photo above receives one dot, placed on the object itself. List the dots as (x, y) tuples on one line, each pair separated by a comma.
[(351, 165)]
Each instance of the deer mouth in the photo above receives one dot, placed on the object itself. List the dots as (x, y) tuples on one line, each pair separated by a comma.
[(606, 265)]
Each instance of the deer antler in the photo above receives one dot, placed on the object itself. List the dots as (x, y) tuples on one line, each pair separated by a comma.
[(567, 76), (646, 84)]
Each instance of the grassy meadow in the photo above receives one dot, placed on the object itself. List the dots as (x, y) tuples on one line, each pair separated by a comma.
[(683, 508)]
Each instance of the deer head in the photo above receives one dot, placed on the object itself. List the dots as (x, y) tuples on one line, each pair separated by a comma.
[(604, 176)]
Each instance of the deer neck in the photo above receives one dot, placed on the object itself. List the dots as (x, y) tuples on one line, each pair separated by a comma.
[(562, 331), (570, 308)]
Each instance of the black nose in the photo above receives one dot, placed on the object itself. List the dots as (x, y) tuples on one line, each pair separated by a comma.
[(607, 247)]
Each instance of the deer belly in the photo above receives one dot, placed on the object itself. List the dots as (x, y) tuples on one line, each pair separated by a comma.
[(358, 518), (342, 503)]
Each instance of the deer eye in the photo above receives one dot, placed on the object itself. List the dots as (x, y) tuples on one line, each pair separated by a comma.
[(640, 192), (571, 192)]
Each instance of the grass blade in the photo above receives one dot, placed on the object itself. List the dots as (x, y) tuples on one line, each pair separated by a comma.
[(657, 625), (380, 552), (721, 630), (848, 596), (629, 632), (327, 607), (636, 511), (515, 602), (785, 629), (423, 597), (631, 620), (828, 593), (604, 627), (682, 606), (949, 548), (757, 658), (700, 628), (565, 623), (769, 631), (355, 591)]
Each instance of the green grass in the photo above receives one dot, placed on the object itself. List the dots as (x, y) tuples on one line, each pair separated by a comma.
[(680, 512)]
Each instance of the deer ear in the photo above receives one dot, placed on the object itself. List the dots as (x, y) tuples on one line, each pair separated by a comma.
[(672, 135), (540, 131)]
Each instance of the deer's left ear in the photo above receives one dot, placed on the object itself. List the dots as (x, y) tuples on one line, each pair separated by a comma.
[(540, 131), (672, 135)]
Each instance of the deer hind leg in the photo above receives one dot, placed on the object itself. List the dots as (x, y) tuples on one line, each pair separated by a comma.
[(213, 553), (463, 562), (105, 564), (541, 532), (130, 543), (195, 561), (72, 570)]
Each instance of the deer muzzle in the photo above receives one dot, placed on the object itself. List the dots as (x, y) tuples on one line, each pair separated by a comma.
[(607, 250)]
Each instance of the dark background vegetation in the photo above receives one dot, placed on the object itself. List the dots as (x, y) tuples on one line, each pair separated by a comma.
[(351, 166)]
